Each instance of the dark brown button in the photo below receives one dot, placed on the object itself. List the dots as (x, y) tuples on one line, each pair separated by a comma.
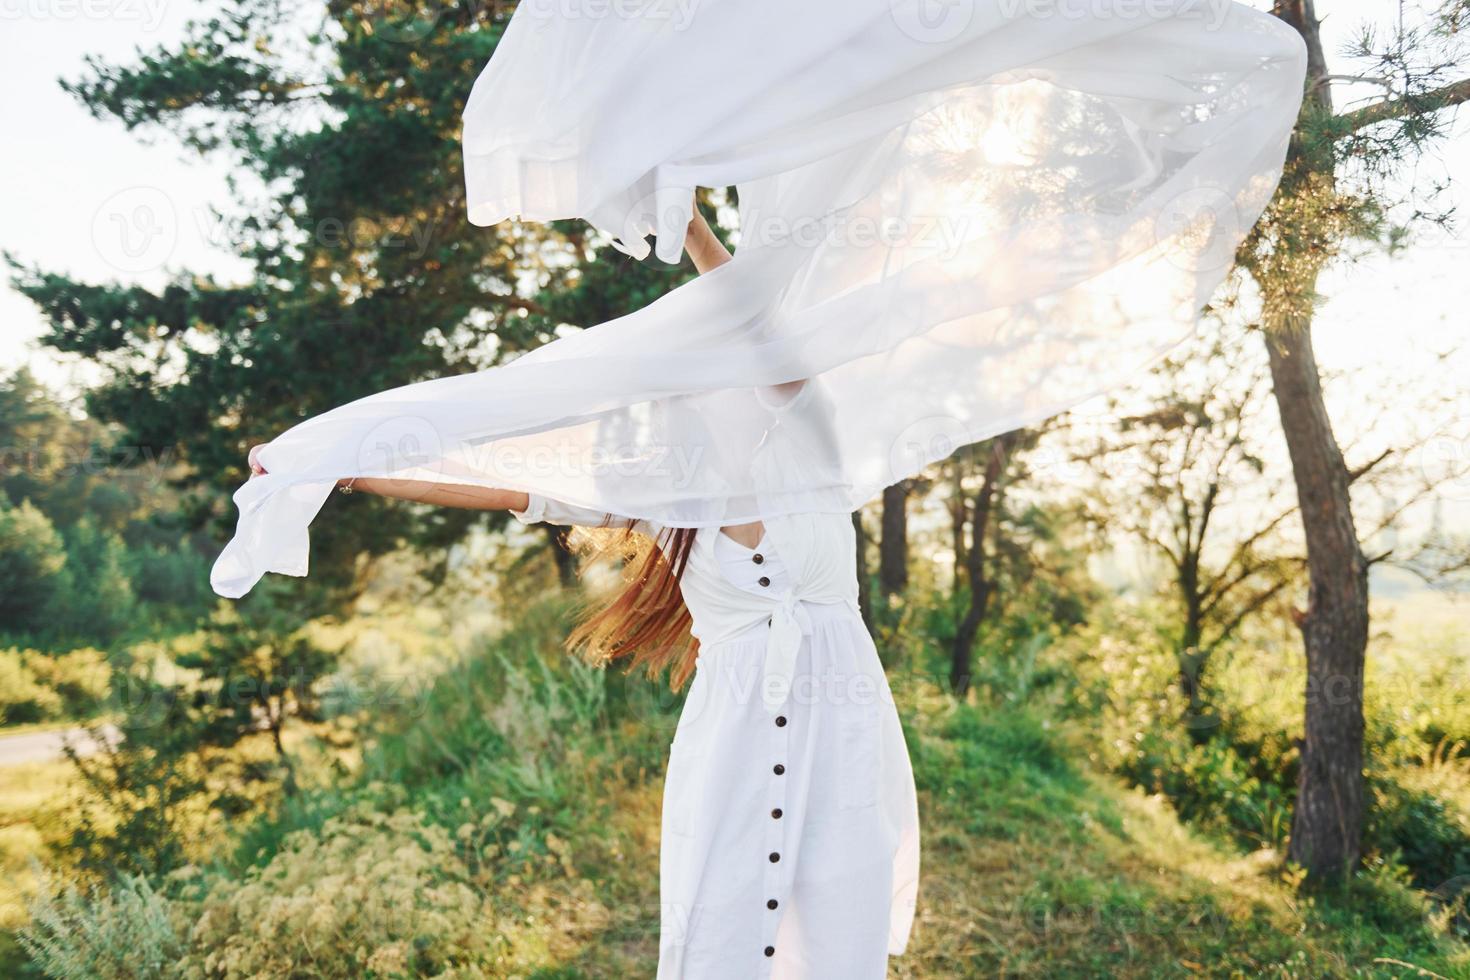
[(772, 904), (775, 857), (776, 813), (763, 581), (780, 721), (778, 769), (770, 951), (758, 558)]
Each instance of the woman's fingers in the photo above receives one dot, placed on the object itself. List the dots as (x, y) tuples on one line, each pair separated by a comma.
[(254, 459)]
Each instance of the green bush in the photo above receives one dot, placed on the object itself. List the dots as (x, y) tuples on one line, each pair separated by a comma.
[(96, 603), (81, 678), (371, 895), (128, 931), (24, 699), (1212, 786), (1418, 830), (36, 686), (32, 559)]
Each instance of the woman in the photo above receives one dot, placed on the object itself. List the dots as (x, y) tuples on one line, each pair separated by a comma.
[(790, 838), (949, 228)]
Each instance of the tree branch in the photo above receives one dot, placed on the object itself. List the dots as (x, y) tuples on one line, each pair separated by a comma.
[(1355, 474), (1406, 105)]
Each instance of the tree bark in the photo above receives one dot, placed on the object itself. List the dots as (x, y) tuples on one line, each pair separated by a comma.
[(865, 591), (566, 562), (893, 546), (1327, 825), (959, 510), (981, 587)]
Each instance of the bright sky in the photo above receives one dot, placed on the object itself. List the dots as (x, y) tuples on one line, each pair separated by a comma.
[(66, 178)]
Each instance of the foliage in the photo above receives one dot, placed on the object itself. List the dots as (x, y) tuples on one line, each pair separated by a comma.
[(91, 552), (1233, 772), (37, 686), (366, 273), (1035, 865), (98, 594), (369, 895), (182, 763), (126, 931), (32, 557), (23, 698), (136, 817), (257, 671)]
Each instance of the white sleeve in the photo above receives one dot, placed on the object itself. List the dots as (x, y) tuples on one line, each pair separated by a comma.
[(548, 510)]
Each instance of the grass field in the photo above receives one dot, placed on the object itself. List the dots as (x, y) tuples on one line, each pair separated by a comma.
[(506, 825)]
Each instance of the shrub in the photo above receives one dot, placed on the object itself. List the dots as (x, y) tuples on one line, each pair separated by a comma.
[(80, 678), (125, 932), (32, 560), (23, 697), (1420, 830), (37, 686), (97, 601), (1212, 786), (371, 895)]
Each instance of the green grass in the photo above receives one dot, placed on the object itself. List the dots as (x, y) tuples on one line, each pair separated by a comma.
[(31, 798), (1036, 866), (1036, 862)]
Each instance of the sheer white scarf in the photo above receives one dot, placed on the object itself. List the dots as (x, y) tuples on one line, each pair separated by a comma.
[(950, 226)]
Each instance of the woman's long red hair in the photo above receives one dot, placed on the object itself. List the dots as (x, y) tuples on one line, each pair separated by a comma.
[(645, 622)]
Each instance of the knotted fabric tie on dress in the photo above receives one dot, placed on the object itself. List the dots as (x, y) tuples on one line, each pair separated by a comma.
[(789, 623)]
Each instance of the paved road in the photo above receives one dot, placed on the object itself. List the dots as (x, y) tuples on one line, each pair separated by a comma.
[(31, 747)]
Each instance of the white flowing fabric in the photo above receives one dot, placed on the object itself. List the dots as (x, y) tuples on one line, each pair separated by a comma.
[(956, 226)]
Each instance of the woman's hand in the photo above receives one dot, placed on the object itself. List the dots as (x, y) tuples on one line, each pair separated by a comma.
[(254, 460)]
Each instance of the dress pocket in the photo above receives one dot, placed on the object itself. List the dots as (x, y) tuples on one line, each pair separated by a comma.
[(681, 786), (857, 747)]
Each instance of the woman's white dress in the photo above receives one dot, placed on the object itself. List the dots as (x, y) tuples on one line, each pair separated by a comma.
[(790, 843)]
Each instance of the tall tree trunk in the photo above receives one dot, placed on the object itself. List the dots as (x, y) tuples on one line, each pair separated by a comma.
[(1191, 658), (566, 562), (893, 545), (865, 591), (1327, 827), (959, 510), (980, 585)]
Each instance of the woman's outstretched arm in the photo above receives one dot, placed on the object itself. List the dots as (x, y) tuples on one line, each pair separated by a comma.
[(707, 252), (423, 491), (442, 494)]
